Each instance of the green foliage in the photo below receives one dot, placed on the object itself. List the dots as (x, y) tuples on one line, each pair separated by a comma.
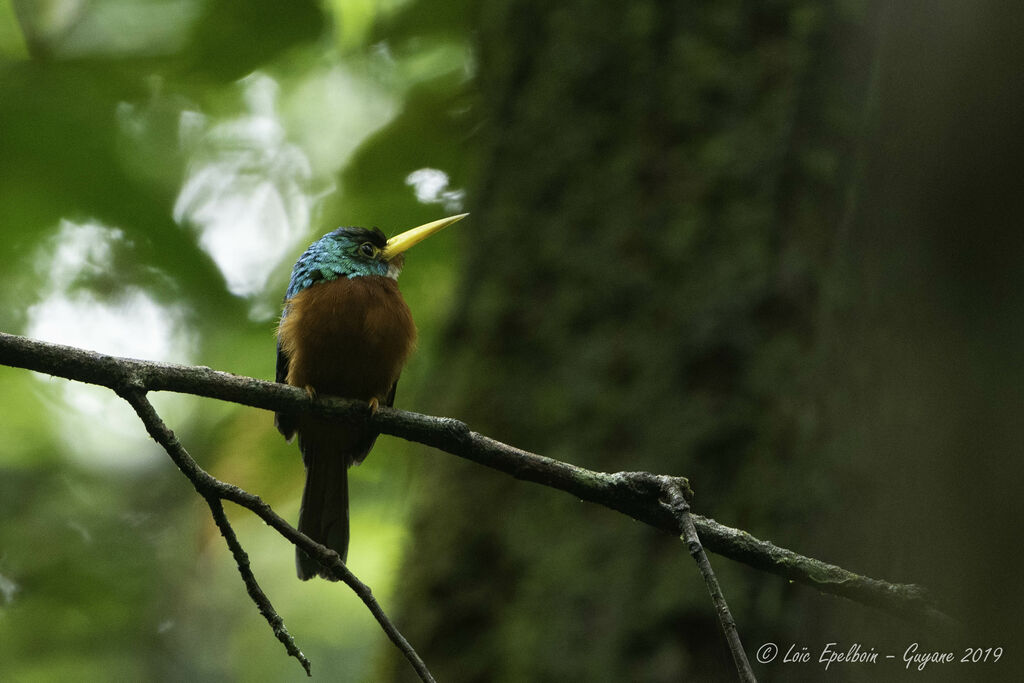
[(164, 163)]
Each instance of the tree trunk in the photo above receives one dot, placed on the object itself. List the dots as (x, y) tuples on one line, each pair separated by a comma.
[(666, 258)]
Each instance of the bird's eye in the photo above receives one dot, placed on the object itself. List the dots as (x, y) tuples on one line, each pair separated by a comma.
[(367, 249)]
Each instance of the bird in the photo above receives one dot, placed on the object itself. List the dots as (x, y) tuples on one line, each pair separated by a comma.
[(346, 331)]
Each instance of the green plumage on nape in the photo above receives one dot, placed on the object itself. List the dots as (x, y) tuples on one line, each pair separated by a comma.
[(345, 252)]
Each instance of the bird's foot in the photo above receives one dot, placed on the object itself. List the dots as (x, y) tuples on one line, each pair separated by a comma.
[(310, 391), (374, 405)]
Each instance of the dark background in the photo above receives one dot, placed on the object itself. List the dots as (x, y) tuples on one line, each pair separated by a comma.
[(775, 247)]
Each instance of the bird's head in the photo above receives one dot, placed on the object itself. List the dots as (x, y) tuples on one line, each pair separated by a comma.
[(358, 252)]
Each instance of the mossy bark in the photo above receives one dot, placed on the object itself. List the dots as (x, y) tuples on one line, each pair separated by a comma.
[(667, 252)]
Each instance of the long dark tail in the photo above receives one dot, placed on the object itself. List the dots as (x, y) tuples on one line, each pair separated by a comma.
[(324, 512)]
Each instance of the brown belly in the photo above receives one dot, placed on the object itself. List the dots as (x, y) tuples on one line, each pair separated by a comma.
[(348, 337)]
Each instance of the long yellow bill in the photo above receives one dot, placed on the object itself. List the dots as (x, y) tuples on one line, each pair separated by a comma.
[(399, 243)]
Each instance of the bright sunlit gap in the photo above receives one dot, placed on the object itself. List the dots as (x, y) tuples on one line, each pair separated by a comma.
[(431, 187), (84, 29), (8, 589), (250, 192), (247, 188), (99, 428)]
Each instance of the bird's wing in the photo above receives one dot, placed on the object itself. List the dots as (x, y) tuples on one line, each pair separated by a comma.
[(390, 400), (284, 422), (282, 366)]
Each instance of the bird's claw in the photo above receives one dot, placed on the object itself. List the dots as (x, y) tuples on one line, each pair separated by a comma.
[(310, 391), (374, 405)]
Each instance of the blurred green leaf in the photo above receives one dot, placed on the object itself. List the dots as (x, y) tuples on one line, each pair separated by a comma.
[(132, 132)]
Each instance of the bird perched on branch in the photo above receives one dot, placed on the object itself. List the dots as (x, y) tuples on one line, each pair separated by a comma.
[(345, 331)]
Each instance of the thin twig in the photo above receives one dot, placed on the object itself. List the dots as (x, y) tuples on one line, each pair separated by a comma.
[(210, 487), (251, 585), (636, 494), (680, 509)]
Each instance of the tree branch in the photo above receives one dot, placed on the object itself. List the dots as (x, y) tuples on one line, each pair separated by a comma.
[(213, 490), (255, 592), (675, 502), (636, 494)]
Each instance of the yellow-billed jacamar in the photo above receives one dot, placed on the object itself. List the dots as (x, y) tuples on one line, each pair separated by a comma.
[(345, 331)]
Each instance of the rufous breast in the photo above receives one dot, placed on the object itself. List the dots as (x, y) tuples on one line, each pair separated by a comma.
[(348, 337)]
